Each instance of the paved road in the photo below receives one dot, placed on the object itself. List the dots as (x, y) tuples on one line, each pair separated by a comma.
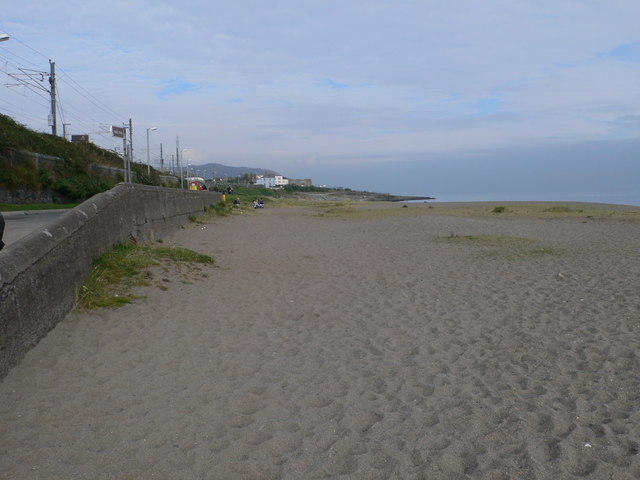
[(20, 224)]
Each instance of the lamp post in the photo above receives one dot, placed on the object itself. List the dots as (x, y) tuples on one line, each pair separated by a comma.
[(150, 129), (182, 169)]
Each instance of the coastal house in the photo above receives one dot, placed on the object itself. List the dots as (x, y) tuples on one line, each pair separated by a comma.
[(272, 181)]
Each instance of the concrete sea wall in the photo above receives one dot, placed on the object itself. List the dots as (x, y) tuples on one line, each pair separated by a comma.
[(41, 274)]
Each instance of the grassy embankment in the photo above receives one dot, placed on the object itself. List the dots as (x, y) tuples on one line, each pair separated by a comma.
[(71, 177)]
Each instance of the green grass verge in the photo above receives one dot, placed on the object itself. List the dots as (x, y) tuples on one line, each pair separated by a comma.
[(254, 192), (18, 207), (117, 272)]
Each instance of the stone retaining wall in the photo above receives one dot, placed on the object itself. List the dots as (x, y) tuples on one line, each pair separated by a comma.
[(41, 273)]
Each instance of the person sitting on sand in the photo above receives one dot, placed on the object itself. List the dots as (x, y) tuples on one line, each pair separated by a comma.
[(236, 202)]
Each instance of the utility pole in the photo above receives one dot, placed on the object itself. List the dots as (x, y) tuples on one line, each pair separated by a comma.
[(52, 82), (64, 130), (178, 160), (125, 155), (130, 148), (161, 159)]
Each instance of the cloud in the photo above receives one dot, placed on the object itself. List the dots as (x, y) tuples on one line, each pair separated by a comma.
[(629, 52), (333, 84), (336, 80), (489, 106), (177, 86)]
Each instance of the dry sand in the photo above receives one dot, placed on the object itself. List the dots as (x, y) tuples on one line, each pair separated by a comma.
[(350, 349)]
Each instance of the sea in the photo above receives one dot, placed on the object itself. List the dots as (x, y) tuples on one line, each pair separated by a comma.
[(627, 198)]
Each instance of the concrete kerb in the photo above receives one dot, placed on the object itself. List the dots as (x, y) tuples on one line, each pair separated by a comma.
[(41, 273)]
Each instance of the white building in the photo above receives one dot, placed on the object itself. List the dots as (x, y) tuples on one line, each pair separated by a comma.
[(272, 181)]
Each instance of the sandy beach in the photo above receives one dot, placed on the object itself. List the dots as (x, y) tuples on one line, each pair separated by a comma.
[(364, 347)]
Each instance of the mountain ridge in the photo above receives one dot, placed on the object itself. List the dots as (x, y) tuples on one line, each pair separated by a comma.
[(208, 170)]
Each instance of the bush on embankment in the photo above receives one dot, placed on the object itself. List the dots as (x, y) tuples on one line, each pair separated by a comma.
[(69, 174), (19, 137)]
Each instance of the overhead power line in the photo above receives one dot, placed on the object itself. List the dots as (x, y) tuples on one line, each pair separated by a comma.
[(85, 93), (26, 73)]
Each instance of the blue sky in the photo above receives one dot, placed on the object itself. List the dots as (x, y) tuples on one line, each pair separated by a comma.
[(407, 96)]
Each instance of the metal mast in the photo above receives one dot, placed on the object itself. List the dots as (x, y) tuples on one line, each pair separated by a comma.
[(52, 82)]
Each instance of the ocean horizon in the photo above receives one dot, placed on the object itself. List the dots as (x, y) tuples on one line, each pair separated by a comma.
[(626, 198)]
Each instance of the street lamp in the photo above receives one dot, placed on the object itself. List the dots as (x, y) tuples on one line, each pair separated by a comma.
[(182, 167), (4, 37), (150, 129)]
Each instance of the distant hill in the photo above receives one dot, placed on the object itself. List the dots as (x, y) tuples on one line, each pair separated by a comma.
[(207, 170)]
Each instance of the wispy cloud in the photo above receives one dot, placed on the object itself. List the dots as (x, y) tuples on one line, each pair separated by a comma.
[(334, 84), (177, 86), (488, 106), (629, 52)]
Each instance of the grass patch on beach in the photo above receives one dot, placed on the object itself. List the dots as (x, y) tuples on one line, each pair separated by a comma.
[(354, 209), (516, 253), (504, 246), (221, 209), (116, 273), (361, 210), (563, 209), (543, 210), (212, 212), (586, 211), (337, 210), (492, 240)]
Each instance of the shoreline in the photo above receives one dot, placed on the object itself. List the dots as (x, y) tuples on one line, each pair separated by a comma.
[(358, 196), (632, 200)]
